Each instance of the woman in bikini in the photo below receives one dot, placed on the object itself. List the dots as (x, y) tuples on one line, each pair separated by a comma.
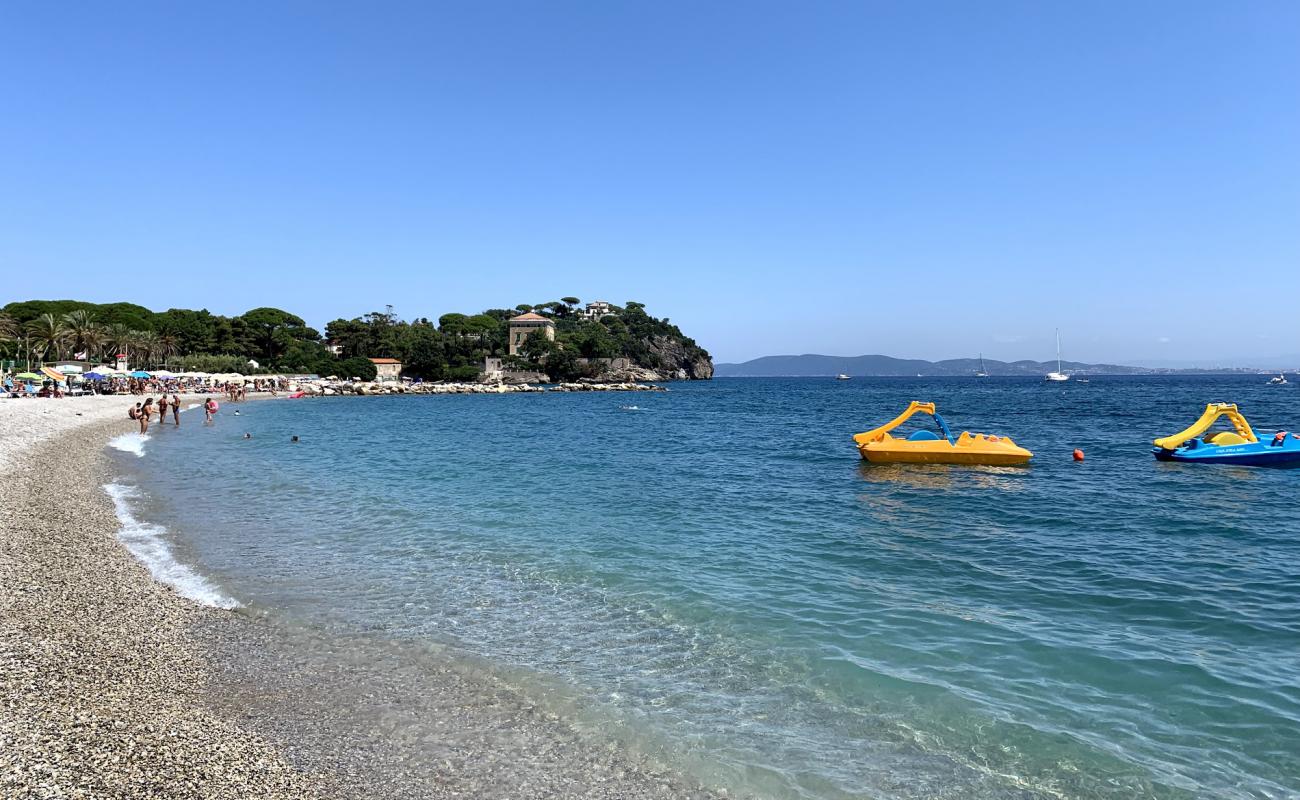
[(163, 403), (145, 411), (176, 409)]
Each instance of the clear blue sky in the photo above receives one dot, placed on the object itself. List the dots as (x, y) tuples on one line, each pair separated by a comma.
[(928, 179)]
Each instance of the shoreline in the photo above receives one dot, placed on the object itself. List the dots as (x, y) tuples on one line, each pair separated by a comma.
[(99, 676), (115, 685)]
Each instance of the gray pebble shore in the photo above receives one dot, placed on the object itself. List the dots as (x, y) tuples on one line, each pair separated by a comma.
[(113, 686)]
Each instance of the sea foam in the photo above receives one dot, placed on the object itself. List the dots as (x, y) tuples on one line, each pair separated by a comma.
[(129, 443), (147, 543)]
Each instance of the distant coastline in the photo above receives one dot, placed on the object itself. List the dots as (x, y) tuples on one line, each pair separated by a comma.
[(813, 365)]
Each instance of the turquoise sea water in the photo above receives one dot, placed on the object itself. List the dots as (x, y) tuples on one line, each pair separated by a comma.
[(720, 578)]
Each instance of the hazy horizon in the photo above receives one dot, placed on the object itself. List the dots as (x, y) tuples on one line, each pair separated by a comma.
[(1290, 363), (920, 181)]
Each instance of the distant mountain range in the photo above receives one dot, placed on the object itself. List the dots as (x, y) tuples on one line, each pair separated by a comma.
[(812, 365)]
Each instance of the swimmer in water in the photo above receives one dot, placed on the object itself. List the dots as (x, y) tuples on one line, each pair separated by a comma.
[(248, 436), (293, 438)]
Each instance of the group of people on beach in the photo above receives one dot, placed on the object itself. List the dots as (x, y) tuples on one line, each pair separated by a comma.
[(143, 412)]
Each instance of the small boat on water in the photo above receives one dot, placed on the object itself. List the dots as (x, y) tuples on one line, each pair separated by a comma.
[(1239, 446), (1058, 376), (926, 447), (982, 373), (1278, 380), (842, 377)]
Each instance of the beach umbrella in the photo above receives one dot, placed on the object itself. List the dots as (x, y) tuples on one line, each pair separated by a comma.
[(28, 376), (162, 373), (139, 373), (94, 376)]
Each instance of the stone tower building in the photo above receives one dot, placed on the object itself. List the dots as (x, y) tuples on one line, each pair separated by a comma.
[(525, 325)]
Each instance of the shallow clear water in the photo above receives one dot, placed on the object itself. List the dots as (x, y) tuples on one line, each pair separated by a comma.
[(721, 576)]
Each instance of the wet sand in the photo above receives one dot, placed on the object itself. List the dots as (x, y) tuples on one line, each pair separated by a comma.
[(112, 685)]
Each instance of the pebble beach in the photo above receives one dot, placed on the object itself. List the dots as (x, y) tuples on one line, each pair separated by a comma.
[(100, 683), (113, 685)]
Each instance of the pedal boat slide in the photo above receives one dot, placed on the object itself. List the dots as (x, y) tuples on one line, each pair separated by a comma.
[(925, 447), (1239, 446)]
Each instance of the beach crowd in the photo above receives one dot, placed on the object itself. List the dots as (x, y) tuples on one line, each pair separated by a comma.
[(144, 412)]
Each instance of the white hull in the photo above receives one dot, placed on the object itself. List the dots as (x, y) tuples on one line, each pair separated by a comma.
[(1058, 376)]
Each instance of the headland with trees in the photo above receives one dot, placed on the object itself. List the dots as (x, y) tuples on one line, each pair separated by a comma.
[(277, 341)]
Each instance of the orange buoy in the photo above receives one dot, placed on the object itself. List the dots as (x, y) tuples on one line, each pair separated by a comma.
[(1078, 454)]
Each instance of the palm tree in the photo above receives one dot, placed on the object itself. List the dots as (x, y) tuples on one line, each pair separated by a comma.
[(168, 346), (11, 335), (48, 335), (8, 330), (148, 346), (120, 338), (84, 332)]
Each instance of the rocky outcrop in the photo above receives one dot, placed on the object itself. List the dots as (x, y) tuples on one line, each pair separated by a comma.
[(679, 360), (336, 389)]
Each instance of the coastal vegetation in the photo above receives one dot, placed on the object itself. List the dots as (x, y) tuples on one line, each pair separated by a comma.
[(265, 340)]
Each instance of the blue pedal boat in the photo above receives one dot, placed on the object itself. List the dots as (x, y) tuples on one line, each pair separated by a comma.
[(1238, 446)]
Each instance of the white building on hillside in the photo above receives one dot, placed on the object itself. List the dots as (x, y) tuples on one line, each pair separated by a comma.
[(597, 309)]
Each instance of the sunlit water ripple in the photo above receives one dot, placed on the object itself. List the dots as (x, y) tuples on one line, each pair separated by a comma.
[(717, 571)]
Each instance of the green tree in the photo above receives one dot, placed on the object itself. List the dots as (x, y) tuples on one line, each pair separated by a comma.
[(272, 329), (168, 346), (194, 331), (84, 332), (453, 325), (423, 356), (148, 347), (594, 341), (48, 335), (349, 335), (119, 338), (537, 348), (9, 330), (357, 368)]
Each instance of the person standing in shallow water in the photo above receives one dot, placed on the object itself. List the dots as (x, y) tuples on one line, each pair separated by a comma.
[(163, 402), (145, 411), (176, 409)]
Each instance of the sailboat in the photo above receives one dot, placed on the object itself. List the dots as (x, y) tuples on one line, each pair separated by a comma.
[(1058, 376), (982, 372)]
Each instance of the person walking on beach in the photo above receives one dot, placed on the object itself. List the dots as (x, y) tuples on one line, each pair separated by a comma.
[(145, 411), (176, 409)]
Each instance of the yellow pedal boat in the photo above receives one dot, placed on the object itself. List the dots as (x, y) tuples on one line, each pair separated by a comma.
[(925, 447)]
